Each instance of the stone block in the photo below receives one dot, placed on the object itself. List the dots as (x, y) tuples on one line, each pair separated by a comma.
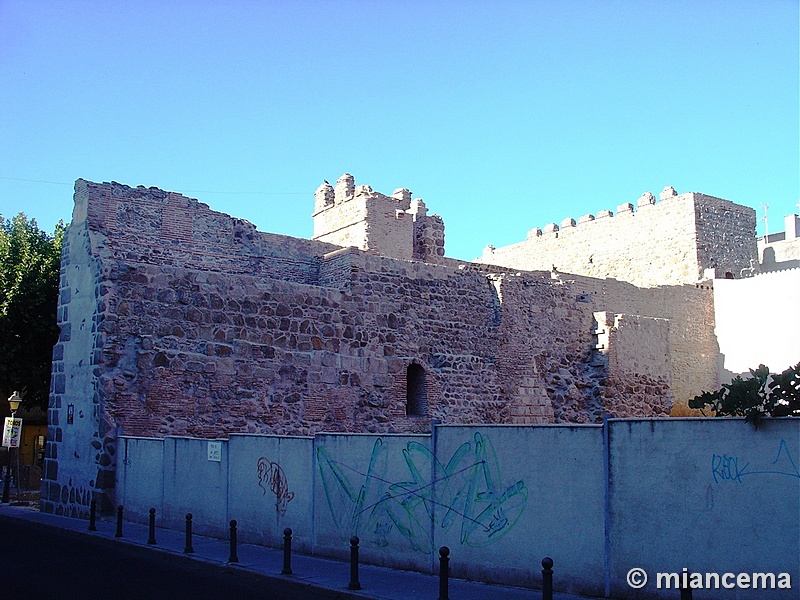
[(646, 199)]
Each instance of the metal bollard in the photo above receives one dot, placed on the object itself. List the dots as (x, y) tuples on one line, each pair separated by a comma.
[(354, 583), (233, 558), (188, 549), (686, 593), (119, 521), (287, 552), (547, 578), (93, 515), (444, 573), (152, 538)]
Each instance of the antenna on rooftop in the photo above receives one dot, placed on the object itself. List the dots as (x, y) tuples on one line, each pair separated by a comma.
[(765, 206)]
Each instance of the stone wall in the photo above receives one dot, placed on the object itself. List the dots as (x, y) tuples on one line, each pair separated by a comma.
[(692, 346), (725, 237), (177, 320), (671, 242)]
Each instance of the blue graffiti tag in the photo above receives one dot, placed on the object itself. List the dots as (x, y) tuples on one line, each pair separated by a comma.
[(726, 468)]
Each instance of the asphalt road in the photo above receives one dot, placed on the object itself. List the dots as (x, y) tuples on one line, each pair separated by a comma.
[(48, 564)]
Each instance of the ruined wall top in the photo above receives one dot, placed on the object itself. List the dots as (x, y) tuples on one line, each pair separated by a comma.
[(153, 226)]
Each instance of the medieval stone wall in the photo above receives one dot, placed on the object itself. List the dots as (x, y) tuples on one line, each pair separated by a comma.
[(552, 366), (177, 320), (671, 242), (726, 237), (689, 310)]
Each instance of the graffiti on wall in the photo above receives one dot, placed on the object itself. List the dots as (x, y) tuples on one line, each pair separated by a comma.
[(272, 478), (466, 493), (726, 467)]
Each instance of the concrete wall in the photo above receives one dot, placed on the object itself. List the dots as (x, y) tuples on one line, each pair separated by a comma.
[(373, 487), (709, 495), (196, 482), (271, 488), (509, 496), (140, 476), (758, 322)]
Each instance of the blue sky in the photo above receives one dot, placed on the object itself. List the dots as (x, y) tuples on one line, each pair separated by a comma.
[(502, 115)]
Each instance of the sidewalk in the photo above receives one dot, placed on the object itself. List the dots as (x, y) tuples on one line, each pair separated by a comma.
[(325, 576)]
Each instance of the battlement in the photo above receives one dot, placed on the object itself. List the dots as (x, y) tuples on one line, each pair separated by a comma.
[(675, 240), (396, 226)]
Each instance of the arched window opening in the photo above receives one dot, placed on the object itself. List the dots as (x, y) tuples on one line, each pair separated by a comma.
[(728, 275), (416, 393)]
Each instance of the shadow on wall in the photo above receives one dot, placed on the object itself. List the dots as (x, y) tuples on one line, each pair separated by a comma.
[(769, 262)]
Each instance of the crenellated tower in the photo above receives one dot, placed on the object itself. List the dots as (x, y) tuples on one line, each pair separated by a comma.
[(395, 226), (681, 239)]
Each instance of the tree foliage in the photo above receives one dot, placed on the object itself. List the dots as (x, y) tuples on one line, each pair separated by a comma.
[(761, 394), (29, 271)]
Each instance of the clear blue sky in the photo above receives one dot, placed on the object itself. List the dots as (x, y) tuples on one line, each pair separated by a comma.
[(502, 115)]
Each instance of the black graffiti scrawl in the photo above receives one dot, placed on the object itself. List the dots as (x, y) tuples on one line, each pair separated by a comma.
[(272, 478)]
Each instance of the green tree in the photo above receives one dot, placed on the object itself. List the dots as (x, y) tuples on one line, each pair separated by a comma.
[(29, 271), (761, 394)]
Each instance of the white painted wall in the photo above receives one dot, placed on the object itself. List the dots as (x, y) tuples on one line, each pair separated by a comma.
[(758, 322)]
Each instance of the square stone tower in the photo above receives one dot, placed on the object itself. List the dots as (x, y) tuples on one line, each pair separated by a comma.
[(394, 226)]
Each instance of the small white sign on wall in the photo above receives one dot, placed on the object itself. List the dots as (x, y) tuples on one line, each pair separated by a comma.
[(215, 451)]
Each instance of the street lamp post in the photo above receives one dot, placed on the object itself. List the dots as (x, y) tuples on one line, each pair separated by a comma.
[(14, 402)]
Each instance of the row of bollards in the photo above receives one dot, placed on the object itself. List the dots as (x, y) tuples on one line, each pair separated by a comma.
[(354, 583)]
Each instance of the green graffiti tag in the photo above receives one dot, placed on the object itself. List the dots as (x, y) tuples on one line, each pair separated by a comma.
[(467, 491)]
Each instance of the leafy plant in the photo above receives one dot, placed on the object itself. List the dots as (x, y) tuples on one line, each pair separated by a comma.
[(762, 394), (29, 270)]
